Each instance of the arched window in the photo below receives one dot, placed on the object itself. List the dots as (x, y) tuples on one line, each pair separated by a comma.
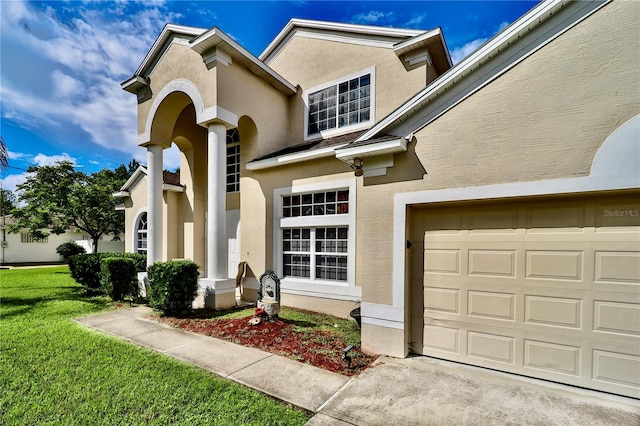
[(141, 234), (233, 160)]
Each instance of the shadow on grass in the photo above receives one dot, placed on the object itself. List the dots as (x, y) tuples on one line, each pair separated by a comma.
[(17, 306)]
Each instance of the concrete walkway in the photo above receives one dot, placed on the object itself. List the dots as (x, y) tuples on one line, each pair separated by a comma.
[(412, 391)]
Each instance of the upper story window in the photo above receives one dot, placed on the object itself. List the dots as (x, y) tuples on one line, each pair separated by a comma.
[(342, 105), (233, 160)]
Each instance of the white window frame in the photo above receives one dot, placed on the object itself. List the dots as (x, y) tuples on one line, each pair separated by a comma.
[(347, 129), (342, 290), (236, 175), (135, 232)]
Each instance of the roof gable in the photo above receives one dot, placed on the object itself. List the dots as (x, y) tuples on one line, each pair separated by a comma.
[(346, 33), (213, 44)]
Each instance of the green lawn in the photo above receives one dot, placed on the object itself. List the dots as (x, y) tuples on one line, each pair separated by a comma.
[(56, 372)]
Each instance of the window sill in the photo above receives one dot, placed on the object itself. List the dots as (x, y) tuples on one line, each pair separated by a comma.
[(319, 288)]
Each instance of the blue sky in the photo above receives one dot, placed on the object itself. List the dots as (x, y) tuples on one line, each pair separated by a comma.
[(62, 62)]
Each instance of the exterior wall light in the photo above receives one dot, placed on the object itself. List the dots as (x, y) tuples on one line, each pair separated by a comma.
[(357, 166)]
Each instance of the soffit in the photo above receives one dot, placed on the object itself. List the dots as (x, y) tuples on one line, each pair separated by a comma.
[(434, 42)]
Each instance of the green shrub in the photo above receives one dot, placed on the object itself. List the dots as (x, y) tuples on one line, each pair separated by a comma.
[(85, 268), (118, 277), (173, 286), (66, 250)]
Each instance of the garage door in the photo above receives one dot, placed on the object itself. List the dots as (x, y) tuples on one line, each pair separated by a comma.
[(547, 289)]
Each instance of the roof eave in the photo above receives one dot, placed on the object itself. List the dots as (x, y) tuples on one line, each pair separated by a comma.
[(386, 147), (470, 64), (134, 84), (334, 26), (293, 158)]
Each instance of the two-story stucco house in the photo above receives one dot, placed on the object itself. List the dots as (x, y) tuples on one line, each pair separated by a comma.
[(486, 213)]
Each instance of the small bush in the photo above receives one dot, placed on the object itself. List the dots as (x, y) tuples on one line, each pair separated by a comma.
[(66, 250), (118, 277), (173, 286), (85, 268)]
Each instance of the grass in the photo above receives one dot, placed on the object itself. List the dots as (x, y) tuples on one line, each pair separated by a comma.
[(56, 372)]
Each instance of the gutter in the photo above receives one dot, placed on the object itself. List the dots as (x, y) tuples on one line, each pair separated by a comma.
[(471, 63)]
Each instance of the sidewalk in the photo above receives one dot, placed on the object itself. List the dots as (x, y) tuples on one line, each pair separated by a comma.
[(411, 391), (299, 384)]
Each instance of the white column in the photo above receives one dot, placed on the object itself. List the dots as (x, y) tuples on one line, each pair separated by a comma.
[(216, 201), (154, 204)]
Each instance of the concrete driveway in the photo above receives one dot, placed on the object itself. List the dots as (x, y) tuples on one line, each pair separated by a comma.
[(426, 391)]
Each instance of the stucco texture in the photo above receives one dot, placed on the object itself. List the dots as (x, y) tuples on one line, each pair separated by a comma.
[(544, 119)]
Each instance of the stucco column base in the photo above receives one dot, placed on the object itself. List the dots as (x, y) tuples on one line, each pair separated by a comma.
[(216, 293), (143, 284)]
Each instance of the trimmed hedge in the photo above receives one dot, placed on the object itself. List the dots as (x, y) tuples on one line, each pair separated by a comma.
[(118, 277), (66, 250), (85, 268), (173, 286)]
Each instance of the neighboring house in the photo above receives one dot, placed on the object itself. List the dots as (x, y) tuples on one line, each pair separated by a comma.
[(485, 213), (21, 248)]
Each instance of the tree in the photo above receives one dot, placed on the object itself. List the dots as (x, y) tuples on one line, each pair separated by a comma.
[(4, 154), (8, 200), (55, 198)]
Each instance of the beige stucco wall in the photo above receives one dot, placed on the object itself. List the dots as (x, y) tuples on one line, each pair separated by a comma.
[(311, 62), (544, 119), (256, 204), (136, 204), (244, 94), (179, 62)]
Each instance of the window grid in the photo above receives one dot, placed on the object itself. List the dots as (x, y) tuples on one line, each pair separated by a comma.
[(354, 101), (233, 160), (316, 204), (349, 101), (296, 246), (26, 238), (331, 249), (141, 235), (328, 260)]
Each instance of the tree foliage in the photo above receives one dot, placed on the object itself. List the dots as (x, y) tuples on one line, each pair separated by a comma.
[(4, 154), (56, 198), (8, 201)]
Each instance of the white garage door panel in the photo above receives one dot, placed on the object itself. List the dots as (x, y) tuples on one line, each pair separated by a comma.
[(547, 289)]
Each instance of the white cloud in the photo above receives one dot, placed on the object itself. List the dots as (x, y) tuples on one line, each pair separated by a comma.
[(16, 155), (11, 182), (373, 17), (63, 85), (462, 52), (416, 20), (50, 160), (67, 64)]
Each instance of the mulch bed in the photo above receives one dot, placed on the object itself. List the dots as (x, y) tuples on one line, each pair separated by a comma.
[(319, 348)]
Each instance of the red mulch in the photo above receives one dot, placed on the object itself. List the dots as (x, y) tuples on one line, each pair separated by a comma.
[(320, 349)]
